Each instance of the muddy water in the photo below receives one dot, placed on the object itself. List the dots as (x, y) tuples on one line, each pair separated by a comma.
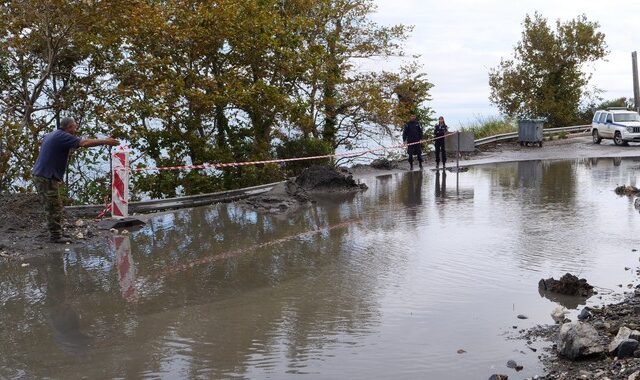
[(390, 283)]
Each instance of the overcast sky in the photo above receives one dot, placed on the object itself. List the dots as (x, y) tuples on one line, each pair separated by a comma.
[(460, 40)]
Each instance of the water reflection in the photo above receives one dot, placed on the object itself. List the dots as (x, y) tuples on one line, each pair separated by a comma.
[(570, 302), (64, 320), (441, 187), (355, 286)]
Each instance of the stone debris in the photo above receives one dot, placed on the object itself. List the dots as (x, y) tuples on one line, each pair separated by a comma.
[(568, 284)]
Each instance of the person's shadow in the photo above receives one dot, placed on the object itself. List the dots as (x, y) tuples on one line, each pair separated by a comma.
[(63, 319), (441, 186)]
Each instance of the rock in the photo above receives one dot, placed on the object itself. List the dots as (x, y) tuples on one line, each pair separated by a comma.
[(623, 334), (113, 231), (634, 376), (79, 235), (568, 284), (627, 348), (626, 190), (584, 314), (522, 316), (513, 365), (461, 351), (578, 339), (499, 377), (24, 265), (79, 223), (558, 314)]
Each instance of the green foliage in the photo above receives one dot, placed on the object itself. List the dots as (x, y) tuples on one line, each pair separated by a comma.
[(191, 82), (304, 147), (546, 77), (586, 113), (490, 126)]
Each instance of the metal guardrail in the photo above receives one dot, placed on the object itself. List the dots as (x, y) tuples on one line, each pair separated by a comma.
[(546, 131), (179, 202)]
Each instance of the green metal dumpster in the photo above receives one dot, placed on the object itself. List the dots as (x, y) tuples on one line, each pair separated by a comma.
[(530, 131)]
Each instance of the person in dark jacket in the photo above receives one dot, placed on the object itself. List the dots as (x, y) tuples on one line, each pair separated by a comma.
[(48, 171), (412, 133), (439, 131)]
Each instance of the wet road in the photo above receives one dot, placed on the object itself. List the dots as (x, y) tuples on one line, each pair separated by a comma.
[(389, 283)]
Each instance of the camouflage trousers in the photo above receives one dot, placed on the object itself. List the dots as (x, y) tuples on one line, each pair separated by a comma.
[(49, 192)]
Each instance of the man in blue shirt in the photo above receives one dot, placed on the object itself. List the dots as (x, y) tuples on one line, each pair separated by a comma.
[(48, 172)]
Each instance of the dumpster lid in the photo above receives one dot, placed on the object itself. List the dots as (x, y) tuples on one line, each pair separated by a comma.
[(535, 120)]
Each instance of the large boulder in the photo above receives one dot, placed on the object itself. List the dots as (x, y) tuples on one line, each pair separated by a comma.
[(578, 340)]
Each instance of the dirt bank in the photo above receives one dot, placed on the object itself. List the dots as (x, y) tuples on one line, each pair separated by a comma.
[(23, 229)]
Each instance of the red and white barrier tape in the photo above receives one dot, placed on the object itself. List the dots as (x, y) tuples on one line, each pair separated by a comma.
[(274, 161)]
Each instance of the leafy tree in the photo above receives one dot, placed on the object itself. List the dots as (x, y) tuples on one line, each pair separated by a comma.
[(587, 112), (194, 81), (547, 76)]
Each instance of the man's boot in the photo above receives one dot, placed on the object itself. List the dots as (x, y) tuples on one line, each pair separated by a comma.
[(420, 164)]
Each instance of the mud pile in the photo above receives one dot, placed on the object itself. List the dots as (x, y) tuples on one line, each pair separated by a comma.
[(295, 193), (21, 212), (568, 284), (325, 179)]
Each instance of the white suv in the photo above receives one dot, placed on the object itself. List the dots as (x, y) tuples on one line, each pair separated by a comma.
[(620, 125)]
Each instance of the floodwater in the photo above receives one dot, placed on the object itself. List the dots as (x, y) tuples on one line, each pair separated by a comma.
[(387, 284)]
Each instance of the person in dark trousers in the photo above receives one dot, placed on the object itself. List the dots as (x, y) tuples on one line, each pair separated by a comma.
[(439, 131), (49, 169), (412, 133)]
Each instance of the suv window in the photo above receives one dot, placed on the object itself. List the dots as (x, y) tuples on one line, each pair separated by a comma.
[(596, 116), (609, 118), (631, 116), (603, 116)]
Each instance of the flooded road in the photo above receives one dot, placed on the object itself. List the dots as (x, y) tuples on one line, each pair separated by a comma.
[(389, 283)]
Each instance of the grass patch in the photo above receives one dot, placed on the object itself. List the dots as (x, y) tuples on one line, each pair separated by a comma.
[(490, 126)]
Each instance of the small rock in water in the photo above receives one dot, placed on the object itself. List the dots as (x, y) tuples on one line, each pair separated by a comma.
[(634, 250), (461, 351), (499, 377), (513, 365), (522, 316), (584, 314)]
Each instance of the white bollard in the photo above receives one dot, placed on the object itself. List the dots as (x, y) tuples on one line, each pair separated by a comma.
[(120, 184)]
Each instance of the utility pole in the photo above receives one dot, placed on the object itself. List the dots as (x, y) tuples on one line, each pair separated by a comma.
[(636, 88)]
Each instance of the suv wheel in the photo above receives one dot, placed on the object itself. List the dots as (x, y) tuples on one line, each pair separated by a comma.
[(596, 137), (617, 139)]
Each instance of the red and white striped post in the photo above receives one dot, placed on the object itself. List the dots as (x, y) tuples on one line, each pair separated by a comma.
[(120, 184)]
